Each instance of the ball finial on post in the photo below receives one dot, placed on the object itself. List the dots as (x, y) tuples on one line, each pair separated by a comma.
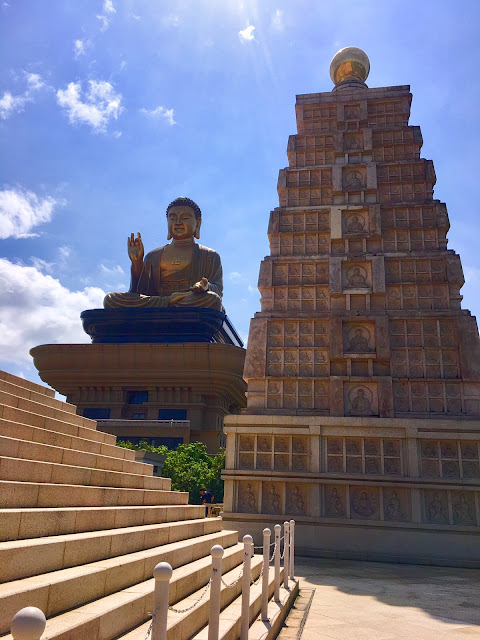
[(28, 624)]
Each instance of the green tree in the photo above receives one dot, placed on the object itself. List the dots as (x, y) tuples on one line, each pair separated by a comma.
[(190, 467)]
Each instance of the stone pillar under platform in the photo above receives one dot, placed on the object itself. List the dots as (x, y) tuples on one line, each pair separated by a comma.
[(191, 384), (389, 490)]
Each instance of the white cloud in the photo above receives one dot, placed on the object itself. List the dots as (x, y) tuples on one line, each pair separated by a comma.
[(112, 271), (10, 104), (99, 105), (108, 7), (21, 211), (277, 20), (79, 48), (247, 33), (58, 265), (236, 277), (171, 20), (104, 22), (37, 309), (108, 11), (160, 112)]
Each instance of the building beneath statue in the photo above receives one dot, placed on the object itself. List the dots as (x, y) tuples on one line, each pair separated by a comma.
[(165, 364), (363, 371)]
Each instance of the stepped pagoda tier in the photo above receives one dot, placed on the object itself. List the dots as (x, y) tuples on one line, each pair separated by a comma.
[(363, 370)]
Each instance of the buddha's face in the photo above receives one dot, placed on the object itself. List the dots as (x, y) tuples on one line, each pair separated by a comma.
[(182, 223)]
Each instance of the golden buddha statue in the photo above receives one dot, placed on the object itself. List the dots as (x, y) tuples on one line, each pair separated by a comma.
[(180, 274)]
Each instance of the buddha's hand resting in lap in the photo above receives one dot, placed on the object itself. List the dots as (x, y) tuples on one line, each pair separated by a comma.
[(200, 286)]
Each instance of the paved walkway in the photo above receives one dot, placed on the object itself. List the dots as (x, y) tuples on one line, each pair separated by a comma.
[(375, 601)]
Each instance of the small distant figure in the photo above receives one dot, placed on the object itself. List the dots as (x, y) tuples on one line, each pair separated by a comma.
[(206, 498)]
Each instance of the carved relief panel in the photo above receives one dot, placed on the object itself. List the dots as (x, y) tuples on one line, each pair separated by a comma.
[(358, 337), (356, 276), (449, 459), (396, 505), (335, 501), (354, 179), (364, 503), (372, 456), (272, 498), (360, 399), (298, 394), (355, 223), (248, 497), (296, 499)]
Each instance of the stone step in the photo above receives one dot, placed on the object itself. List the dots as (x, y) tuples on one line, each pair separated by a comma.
[(27, 450), (20, 470), (23, 524), (76, 426), (230, 617), (117, 590), (8, 399), (25, 558), (80, 439), (17, 495), (276, 612), (23, 392), (186, 625), (26, 384)]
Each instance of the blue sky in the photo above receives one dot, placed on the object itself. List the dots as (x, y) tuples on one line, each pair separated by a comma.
[(110, 109)]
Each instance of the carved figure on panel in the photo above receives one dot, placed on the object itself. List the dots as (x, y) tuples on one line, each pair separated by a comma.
[(273, 499), (248, 501), (246, 443), (298, 445), (352, 143), (356, 278), (463, 512), (393, 509), (335, 505), (361, 404), (281, 445), (355, 224), (352, 113), (264, 444), (354, 180), (436, 510), (359, 342), (296, 502), (363, 505)]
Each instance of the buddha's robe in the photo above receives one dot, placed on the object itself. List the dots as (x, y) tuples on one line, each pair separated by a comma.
[(153, 289)]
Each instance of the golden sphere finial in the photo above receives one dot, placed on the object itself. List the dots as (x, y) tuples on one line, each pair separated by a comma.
[(349, 63)]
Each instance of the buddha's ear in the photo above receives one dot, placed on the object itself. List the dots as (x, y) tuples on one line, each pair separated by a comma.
[(197, 229), (169, 236)]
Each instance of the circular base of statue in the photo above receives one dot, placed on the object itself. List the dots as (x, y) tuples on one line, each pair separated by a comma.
[(164, 325)]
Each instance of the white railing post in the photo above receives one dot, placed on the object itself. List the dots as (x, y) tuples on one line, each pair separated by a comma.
[(286, 555), (276, 584), (292, 549), (266, 565), (28, 624), (162, 574), (265, 575), (246, 578), (215, 588)]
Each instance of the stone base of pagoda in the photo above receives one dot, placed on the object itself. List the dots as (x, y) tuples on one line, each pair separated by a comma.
[(389, 490)]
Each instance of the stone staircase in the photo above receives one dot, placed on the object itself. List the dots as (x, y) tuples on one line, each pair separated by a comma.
[(82, 525)]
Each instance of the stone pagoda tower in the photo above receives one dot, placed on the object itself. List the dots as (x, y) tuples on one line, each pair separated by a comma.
[(363, 416)]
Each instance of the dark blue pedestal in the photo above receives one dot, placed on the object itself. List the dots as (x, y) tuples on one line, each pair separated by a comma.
[(169, 325)]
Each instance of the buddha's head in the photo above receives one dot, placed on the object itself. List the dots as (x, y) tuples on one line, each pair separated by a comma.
[(184, 219)]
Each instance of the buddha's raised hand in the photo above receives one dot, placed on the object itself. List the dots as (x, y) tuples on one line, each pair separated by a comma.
[(135, 248)]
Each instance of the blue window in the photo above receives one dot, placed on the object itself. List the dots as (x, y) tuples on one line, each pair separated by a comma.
[(96, 413), (137, 397), (172, 414)]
